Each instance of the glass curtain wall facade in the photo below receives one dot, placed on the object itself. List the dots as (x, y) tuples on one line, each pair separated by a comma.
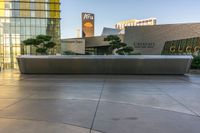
[(23, 19)]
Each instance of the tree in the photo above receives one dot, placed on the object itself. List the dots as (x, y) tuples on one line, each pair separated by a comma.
[(117, 46), (43, 43)]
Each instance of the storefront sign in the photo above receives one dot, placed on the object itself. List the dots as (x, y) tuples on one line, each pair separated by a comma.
[(183, 46), (87, 24)]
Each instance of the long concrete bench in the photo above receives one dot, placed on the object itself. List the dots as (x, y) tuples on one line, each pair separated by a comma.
[(140, 64)]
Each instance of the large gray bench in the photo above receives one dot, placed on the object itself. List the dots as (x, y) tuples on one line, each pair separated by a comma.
[(137, 64)]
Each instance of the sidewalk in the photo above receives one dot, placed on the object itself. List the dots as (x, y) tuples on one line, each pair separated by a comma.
[(99, 103)]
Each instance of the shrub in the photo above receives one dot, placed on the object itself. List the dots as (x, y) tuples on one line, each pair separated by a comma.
[(69, 53), (43, 43), (117, 47), (196, 62)]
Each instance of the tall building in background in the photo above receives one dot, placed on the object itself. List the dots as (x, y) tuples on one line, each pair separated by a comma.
[(23, 19), (134, 22), (78, 33), (88, 24)]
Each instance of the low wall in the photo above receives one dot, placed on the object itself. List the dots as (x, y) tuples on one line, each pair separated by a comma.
[(141, 64)]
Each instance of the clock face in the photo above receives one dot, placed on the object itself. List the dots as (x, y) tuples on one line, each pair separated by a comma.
[(88, 25)]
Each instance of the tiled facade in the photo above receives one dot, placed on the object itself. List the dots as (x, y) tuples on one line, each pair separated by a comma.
[(150, 40)]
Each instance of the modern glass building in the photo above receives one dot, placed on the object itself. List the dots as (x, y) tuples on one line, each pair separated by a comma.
[(23, 19)]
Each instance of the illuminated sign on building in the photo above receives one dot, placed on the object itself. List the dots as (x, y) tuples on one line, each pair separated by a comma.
[(183, 46), (87, 24)]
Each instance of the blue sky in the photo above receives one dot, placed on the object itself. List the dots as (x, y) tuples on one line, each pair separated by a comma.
[(109, 12)]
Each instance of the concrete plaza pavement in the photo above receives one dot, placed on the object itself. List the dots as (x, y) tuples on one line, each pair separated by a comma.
[(99, 103)]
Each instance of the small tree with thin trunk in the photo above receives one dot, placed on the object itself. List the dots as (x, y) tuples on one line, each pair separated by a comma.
[(117, 47), (43, 43)]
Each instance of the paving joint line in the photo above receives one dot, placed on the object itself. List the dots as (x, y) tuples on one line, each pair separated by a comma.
[(185, 106), (91, 128), (18, 101), (36, 120), (36, 99), (146, 106), (188, 81)]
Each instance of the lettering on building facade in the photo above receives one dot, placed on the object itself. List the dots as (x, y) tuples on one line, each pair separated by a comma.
[(143, 45), (183, 46), (88, 16), (88, 24)]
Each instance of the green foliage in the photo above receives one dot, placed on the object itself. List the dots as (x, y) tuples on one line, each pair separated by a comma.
[(196, 62), (50, 45), (43, 43), (88, 53), (44, 38), (117, 46), (69, 53), (135, 54), (113, 39), (41, 50), (125, 50)]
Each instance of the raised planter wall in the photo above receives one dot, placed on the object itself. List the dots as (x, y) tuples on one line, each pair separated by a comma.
[(137, 64)]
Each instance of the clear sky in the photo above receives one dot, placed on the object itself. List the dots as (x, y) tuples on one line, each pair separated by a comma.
[(109, 12)]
